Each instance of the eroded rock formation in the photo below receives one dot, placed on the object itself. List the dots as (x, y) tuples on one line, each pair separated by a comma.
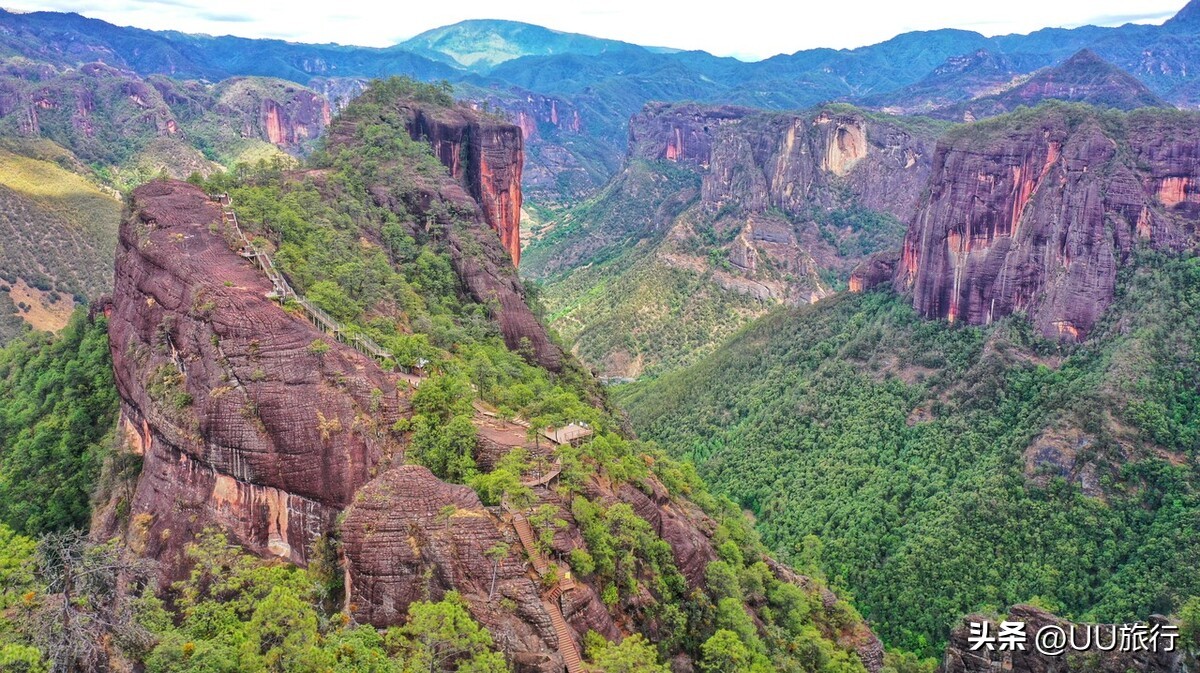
[(487, 156), (244, 425), (1037, 212), (241, 423), (764, 160), (295, 120), (96, 109)]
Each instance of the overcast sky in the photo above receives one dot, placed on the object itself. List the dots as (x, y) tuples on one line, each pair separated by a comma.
[(747, 29)]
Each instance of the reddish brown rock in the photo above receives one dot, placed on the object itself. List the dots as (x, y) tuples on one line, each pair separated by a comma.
[(563, 153), (878, 270), (484, 162), (240, 423), (761, 160), (960, 658), (487, 156), (300, 118), (411, 537), (1036, 213), (245, 427)]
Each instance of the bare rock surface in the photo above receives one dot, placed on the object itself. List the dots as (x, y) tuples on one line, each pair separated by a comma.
[(1037, 214)]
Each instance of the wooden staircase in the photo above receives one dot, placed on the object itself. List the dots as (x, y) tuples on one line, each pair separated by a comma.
[(525, 533), (566, 638), (551, 597)]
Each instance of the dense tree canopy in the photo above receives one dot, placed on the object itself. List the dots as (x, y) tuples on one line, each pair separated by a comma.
[(58, 406), (948, 469)]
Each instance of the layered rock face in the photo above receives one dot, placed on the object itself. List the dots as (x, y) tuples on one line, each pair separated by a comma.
[(291, 122), (762, 160), (116, 118), (241, 423), (246, 426), (484, 160), (565, 154), (487, 156), (75, 106), (960, 658), (1038, 211)]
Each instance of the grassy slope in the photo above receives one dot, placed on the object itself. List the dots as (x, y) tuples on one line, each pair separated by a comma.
[(638, 279), (904, 445), (59, 236), (647, 318)]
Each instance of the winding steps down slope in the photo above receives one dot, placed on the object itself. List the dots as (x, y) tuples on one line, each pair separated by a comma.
[(550, 599)]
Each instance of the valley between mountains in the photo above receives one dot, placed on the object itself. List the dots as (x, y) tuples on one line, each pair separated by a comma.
[(508, 349)]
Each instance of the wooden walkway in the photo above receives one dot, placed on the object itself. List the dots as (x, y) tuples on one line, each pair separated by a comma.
[(525, 533), (566, 640), (281, 291), (550, 598)]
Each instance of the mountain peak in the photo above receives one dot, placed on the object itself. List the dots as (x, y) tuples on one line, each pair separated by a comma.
[(481, 44), (1084, 57), (1188, 16), (1088, 78)]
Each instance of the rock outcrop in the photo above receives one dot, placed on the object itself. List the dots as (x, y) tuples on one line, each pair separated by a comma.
[(484, 159), (240, 422), (960, 658), (565, 154), (1037, 211), (763, 160), (285, 115), (487, 156), (110, 116), (244, 425)]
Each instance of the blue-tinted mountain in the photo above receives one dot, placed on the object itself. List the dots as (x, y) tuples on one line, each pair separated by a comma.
[(480, 44), (67, 39), (1083, 78), (604, 82)]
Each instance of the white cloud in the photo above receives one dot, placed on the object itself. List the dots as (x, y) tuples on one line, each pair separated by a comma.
[(748, 28)]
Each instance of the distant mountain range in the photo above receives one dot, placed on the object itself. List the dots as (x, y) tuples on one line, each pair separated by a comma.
[(523, 68)]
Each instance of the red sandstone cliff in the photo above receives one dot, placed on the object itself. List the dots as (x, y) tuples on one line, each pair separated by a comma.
[(484, 159), (243, 425), (95, 108), (487, 156), (297, 119), (1037, 211), (240, 424), (763, 160)]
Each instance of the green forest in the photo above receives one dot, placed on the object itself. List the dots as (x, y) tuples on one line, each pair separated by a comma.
[(68, 601), (931, 470)]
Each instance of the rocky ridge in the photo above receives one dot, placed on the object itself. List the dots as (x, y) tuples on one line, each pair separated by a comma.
[(243, 424), (1036, 212), (720, 213), (115, 118), (488, 156), (1083, 78)]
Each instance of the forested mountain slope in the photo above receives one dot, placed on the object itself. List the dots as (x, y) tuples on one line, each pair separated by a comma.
[(59, 232), (719, 214), (948, 469), (277, 474)]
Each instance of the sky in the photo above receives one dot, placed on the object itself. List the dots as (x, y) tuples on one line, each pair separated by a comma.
[(746, 29)]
